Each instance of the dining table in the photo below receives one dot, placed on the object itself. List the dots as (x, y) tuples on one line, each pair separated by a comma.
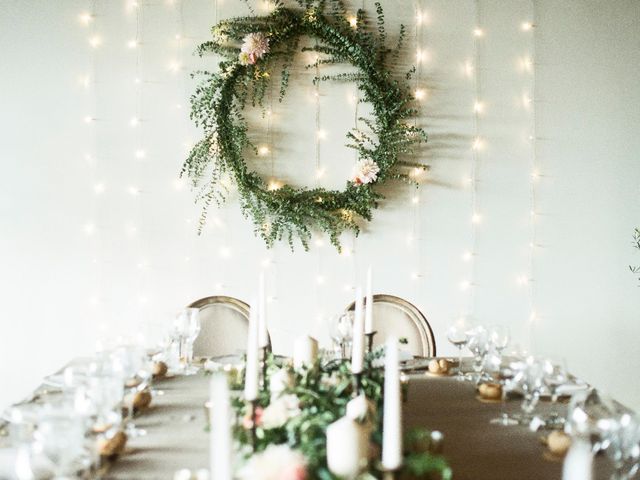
[(176, 435), (475, 448)]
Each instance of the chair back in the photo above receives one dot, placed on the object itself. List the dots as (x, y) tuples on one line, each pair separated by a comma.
[(395, 316), (224, 325)]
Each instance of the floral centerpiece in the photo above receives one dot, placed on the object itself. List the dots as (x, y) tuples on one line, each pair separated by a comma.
[(292, 416)]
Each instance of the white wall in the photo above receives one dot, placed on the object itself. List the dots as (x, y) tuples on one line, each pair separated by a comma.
[(94, 239)]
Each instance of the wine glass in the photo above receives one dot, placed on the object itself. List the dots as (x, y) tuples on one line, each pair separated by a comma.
[(555, 375), (623, 435), (341, 331), (61, 435), (479, 344), (131, 362), (499, 337), (530, 378), (459, 337), (503, 373), (187, 326)]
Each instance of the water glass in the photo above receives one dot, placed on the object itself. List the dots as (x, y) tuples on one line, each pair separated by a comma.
[(341, 331), (458, 336)]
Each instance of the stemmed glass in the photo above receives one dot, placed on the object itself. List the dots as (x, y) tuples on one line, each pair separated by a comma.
[(132, 362), (61, 435), (555, 375), (187, 328), (530, 378), (499, 337), (623, 435), (341, 331), (503, 373), (479, 344), (458, 335)]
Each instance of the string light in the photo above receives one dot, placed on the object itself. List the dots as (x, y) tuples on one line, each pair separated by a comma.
[(353, 21), (478, 107), (321, 134), (420, 94), (140, 154), (89, 228), (526, 26), (132, 44), (477, 144), (95, 41), (274, 185), (467, 256), (476, 218), (88, 119), (263, 151), (85, 81), (99, 188), (134, 122), (133, 191), (85, 18), (478, 32)]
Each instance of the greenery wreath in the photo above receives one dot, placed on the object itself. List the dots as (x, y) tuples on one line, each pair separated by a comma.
[(252, 48)]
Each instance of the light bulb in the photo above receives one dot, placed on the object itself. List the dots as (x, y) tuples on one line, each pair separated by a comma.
[(320, 172), (322, 134), (353, 21), (98, 188), (95, 41), (89, 229), (346, 252), (526, 26), (85, 81), (178, 36), (526, 100), (478, 32), (224, 252), (476, 218), (134, 122), (132, 43), (464, 285), (266, 262), (174, 66), (137, 80), (274, 185), (468, 68), (421, 56), (178, 184), (88, 119), (419, 94), (415, 276), (415, 200), (320, 280), (420, 18), (140, 154), (85, 18), (467, 256), (319, 242), (477, 143), (535, 175), (263, 151), (134, 191), (478, 107), (521, 280)]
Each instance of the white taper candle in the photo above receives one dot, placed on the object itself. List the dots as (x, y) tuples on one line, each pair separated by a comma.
[(357, 349), (252, 371), (263, 331), (220, 446), (368, 307), (392, 415)]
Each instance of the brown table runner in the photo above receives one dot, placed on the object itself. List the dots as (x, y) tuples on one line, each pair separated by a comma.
[(476, 449)]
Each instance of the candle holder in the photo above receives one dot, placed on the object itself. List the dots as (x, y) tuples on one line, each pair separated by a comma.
[(254, 437), (357, 384), (370, 336), (265, 353)]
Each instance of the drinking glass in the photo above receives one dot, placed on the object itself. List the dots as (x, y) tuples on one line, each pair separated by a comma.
[(459, 337), (530, 378), (479, 344), (555, 375), (341, 331), (133, 363), (499, 337), (503, 373), (61, 435), (623, 435), (187, 326)]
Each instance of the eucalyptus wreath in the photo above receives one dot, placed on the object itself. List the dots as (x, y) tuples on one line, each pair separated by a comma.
[(254, 50)]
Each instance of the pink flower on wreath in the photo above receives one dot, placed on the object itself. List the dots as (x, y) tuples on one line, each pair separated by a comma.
[(365, 171), (254, 47)]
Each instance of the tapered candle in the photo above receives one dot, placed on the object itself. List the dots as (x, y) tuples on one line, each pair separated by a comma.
[(252, 370), (578, 464), (263, 331), (220, 446), (368, 307), (346, 447), (357, 349), (391, 416), (305, 351)]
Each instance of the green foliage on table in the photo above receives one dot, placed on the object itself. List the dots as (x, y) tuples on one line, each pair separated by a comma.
[(218, 102), (323, 392), (636, 244)]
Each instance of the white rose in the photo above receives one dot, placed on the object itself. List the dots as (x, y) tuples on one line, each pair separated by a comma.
[(280, 411), (357, 408), (280, 381)]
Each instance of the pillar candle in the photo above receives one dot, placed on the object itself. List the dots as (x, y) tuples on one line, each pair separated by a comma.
[(357, 349), (305, 351), (252, 370), (220, 446), (391, 419), (368, 307), (346, 447), (263, 333)]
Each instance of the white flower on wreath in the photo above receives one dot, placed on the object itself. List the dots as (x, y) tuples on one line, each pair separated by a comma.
[(280, 381), (358, 408), (276, 462), (280, 411), (254, 47), (365, 171)]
